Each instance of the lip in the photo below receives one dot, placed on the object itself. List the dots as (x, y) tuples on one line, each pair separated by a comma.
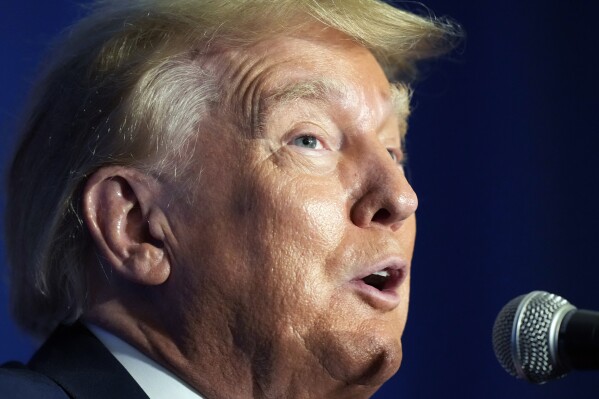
[(387, 298)]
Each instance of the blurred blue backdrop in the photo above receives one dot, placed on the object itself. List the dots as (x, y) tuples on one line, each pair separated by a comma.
[(503, 149)]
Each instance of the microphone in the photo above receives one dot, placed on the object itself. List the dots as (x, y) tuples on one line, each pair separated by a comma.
[(541, 337)]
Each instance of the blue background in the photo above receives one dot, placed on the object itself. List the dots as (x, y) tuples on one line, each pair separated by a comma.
[(503, 149)]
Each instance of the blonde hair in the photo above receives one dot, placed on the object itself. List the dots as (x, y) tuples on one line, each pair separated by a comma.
[(125, 86)]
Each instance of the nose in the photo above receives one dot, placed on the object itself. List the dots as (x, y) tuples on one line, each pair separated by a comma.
[(386, 198)]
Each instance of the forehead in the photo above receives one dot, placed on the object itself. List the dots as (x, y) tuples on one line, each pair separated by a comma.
[(318, 65), (328, 63)]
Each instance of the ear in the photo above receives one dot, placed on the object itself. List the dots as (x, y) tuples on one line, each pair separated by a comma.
[(122, 213)]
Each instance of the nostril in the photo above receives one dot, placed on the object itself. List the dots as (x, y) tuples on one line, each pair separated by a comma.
[(381, 216)]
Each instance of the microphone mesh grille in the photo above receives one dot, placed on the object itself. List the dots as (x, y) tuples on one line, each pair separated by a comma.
[(534, 322), (502, 335)]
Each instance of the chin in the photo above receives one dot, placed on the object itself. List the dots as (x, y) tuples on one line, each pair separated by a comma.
[(358, 358)]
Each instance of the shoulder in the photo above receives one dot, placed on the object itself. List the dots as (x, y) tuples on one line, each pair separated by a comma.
[(19, 382), (72, 362), (82, 366)]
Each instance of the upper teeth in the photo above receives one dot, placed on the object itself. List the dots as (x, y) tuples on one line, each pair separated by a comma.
[(382, 273)]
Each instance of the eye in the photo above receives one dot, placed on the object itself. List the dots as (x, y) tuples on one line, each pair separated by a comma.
[(308, 141), (398, 157)]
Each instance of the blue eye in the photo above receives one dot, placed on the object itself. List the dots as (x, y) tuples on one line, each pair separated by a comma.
[(307, 141)]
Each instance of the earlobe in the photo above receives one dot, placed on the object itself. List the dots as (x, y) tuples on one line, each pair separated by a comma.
[(124, 219)]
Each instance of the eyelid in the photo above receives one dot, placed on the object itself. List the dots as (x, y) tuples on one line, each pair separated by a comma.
[(399, 156)]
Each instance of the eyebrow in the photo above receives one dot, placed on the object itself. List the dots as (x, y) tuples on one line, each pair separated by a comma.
[(321, 90), (308, 90)]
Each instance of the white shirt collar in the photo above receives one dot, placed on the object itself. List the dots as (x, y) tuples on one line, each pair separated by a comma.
[(156, 381)]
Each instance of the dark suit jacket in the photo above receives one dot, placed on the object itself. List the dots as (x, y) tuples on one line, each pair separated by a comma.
[(72, 363)]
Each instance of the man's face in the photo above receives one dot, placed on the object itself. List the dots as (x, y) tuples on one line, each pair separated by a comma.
[(300, 200)]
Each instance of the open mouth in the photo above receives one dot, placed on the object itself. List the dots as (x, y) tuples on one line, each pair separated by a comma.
[(383, 280)]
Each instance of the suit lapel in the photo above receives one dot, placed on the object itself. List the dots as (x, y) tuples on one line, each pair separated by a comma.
[(74, 358)]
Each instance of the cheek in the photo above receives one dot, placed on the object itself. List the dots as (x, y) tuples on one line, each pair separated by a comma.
[(296, 228), (325, 222), (299, 219), (312, 227)]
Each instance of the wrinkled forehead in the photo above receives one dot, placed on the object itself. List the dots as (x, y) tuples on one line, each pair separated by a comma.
[(319, 65)]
